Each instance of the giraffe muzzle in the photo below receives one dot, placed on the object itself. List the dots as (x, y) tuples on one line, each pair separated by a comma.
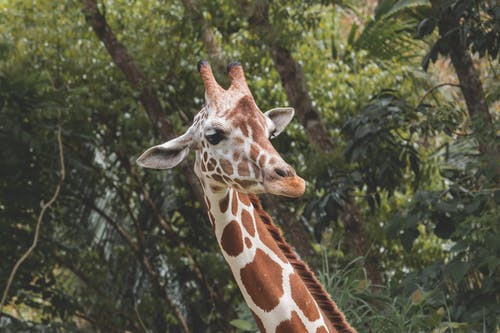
[(292, 186)]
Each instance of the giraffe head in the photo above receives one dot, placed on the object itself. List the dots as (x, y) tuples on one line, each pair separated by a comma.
[(231, 137)]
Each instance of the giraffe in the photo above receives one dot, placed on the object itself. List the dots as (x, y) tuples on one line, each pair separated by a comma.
[(235, 161)]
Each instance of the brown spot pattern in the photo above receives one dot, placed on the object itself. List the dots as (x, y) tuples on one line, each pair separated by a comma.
[(262, 160), (322, 329), (303, 298), (244, 183), (217, 177), (224, 203), (255, 277), (243, 169), (232, 239), (244, 199), (248, 242), (294, 324), (236, 156), (247, 221), (256, 170), (244, 130), (216, 188), (226, 166), (254, 152), (234, 203), (211, 164)]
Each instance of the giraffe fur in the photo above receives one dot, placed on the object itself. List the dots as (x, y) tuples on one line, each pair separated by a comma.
[(235, 161)]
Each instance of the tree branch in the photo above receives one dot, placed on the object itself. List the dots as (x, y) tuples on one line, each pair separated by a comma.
[(295, 85), (437, 87), (143, 259), (215, 53), (45, 206), (468, 76), (147, 95)]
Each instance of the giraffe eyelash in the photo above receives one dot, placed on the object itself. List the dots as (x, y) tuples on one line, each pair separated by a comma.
[(214, 136)]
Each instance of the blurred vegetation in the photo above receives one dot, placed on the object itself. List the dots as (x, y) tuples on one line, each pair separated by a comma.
[(413, 158)]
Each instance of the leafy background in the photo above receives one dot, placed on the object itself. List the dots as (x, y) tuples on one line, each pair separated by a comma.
[(400, 216)]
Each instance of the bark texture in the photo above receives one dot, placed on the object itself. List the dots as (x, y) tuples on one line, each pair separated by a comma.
[(152, 106), (470, 83), (295, 84), (147, 95), (210, 43), (294, 232)]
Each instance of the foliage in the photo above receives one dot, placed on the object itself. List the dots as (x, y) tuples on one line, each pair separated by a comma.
[(377, 309), (120, 241), (382, 152), (478, 28)]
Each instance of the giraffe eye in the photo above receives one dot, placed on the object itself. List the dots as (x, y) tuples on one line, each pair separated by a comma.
[(214, 136)]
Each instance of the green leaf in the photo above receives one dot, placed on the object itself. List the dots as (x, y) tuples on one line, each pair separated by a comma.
[(408, 237), (364, 130), (430, 56), (352, 34), (425, 27), (444, 227), (458, 269), (407, 4)]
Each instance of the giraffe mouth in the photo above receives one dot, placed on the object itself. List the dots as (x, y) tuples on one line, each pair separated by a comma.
[(293, 186)]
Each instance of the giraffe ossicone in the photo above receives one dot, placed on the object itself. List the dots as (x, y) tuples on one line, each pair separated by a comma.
[(235, 160)]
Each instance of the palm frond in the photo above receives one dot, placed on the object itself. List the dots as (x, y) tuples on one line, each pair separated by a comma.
[(390, 34), (388, 39), (404, 5)]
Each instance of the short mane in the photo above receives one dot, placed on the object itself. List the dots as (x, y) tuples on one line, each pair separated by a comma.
[(320, 295)]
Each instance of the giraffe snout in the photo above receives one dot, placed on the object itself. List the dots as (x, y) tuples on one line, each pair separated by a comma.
[(283, 180)]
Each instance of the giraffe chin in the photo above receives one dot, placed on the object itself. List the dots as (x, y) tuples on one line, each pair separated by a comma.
[(288, 187)]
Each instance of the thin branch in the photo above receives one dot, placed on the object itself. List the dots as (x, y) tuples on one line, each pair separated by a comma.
[(138, 315), (143, 259), (45, 206), (115, 225), (147, 94), (174, 241), (208, 38), (437, 87)]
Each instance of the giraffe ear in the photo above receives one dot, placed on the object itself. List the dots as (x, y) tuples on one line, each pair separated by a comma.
[(166, 155), (281, 117)]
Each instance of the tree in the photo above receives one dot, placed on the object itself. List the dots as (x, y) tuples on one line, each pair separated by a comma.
[(126, 249)]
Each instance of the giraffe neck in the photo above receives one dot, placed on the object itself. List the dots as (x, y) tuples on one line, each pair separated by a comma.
[(274, 291)]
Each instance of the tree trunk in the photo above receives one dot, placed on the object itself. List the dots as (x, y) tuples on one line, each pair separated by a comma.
[(470, 83), (295, 85), (215, 54), (280, 212), (152, 106), (147, 95), (294, 82)]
